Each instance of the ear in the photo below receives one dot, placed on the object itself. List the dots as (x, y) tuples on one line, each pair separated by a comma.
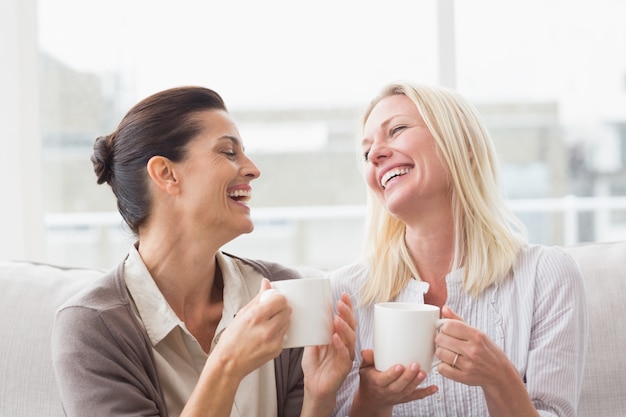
[(161, 171)]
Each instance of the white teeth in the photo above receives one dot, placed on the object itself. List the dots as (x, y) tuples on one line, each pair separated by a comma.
[(393, 173), (242, 195), (239, 193)]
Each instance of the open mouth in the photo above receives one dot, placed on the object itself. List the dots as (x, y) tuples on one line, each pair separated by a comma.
[(242, 196), (391, 174)]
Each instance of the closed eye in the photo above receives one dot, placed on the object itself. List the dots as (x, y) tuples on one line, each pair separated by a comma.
[(230, 154), (231, 148), (397, 129)]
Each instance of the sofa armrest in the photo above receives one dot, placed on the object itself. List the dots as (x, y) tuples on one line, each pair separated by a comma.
[(29, 296), (604, 269)]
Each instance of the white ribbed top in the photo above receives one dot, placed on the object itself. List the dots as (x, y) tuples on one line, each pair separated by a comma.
[(537, 316)]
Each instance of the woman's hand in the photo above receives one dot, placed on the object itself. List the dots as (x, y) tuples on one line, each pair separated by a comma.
[(479, 362), (326, 367), (469, 356), (255, 335), (378, 391)]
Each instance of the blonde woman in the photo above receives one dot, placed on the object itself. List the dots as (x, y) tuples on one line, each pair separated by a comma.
[(438, 232)]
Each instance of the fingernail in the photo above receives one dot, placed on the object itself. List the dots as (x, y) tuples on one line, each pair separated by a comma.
[(266, 294)]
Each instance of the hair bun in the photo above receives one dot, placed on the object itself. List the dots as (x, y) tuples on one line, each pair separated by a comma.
[(102, 158)]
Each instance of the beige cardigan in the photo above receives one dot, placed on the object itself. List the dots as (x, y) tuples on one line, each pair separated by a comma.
[(103, 358)]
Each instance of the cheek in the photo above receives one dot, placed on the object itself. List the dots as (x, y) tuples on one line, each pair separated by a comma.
[(370, 176), (441, 171)]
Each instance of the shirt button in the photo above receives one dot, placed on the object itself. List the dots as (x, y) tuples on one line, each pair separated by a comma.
[(438, 397)]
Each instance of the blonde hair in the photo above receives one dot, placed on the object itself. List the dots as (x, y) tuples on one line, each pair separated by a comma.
[(487, 235)]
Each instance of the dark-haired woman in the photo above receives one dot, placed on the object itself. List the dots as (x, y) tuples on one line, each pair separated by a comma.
[(178, 328)]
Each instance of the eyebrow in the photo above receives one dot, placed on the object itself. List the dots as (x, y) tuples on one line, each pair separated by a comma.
[(235, 140)]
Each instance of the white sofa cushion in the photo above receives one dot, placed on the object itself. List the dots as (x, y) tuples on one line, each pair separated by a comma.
[(30, 294)]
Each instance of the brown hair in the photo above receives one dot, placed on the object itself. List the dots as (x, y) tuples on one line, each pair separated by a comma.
[(162, 125)]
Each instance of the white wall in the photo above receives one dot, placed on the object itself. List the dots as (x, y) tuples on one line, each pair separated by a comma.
[(21, 211)]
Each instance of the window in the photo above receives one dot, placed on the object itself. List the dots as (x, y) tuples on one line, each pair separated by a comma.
[(547, 77)]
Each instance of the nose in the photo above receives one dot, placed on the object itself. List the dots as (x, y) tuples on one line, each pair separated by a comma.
[(249, 168), (378, 152)]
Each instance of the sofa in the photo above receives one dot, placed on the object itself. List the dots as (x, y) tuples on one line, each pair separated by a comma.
[(30, 293)]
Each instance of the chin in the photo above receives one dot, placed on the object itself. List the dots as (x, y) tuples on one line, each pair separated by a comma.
[(248, 229), (391, 206)]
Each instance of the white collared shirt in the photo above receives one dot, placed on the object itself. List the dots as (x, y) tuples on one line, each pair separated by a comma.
[(178, 355)]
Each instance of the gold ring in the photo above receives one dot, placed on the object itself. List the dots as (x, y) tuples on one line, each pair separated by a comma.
[(453, 364)]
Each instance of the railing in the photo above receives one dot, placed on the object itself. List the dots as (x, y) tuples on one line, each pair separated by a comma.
[(305, 235), (571, 207)]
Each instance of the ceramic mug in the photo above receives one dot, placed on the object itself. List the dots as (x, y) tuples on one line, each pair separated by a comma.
[(404, 333), (311, 303)]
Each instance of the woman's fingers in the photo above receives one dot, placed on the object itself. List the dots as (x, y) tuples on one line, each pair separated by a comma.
[(345, 324)]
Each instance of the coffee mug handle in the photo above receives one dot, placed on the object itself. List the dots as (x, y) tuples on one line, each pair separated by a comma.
[(438, 325)]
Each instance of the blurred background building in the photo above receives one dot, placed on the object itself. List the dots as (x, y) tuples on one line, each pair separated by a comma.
[(562, 147)]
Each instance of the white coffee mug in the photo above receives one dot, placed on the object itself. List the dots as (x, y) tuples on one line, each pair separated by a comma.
[(404, 333), (311, 302)]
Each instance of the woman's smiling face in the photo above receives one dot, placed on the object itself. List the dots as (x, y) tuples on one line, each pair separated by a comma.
[(403, 167), (216, 176)]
